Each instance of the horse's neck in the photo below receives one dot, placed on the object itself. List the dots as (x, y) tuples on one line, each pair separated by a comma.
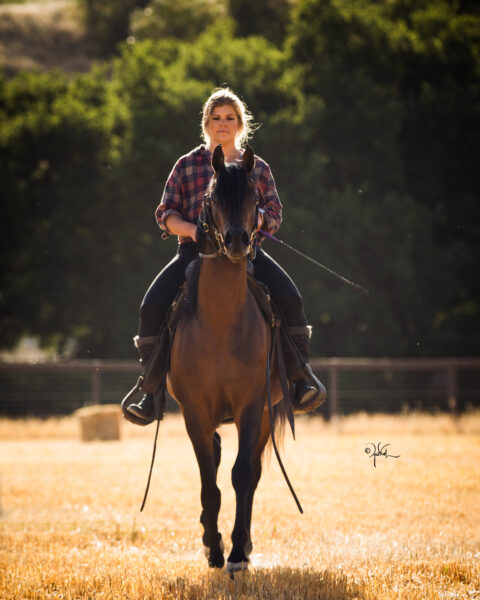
[(222, 293)]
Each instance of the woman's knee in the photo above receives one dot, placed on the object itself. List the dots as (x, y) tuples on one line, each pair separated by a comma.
[(152, 314), (149, 308)]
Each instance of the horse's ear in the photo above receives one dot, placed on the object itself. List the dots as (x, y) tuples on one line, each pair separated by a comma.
[(248, 159), (218, 159)]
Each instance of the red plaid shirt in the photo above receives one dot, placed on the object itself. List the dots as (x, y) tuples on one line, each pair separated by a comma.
[(188, 181)]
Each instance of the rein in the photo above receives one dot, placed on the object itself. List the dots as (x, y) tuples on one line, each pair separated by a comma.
[(355, 286), (275, 344)]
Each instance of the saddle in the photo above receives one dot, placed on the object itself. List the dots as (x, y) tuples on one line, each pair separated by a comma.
[(154, 379)]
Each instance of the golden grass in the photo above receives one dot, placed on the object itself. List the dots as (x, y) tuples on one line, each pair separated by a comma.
[(409, 423), (407, 529)]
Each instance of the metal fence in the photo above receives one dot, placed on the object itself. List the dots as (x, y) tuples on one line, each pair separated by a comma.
[(353, 385)]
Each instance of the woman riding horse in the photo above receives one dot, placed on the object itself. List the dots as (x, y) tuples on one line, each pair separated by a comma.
[(226, 122)]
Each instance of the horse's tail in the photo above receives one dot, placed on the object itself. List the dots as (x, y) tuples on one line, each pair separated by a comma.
[(280, 415)]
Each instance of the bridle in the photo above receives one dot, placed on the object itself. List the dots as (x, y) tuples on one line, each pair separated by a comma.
[(215, 237)]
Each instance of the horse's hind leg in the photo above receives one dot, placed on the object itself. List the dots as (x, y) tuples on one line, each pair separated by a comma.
[(210, 494), (243, 477), (217, 454)]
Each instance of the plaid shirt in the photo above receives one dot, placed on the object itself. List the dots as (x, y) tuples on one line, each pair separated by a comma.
[(187, 184)]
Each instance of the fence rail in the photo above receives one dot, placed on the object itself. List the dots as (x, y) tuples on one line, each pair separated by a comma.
[(450, 368), (353, 384)]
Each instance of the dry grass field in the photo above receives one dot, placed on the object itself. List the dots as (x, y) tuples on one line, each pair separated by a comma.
[(70, 526)]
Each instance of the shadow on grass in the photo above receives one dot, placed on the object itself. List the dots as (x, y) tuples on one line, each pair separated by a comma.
[(270, 584)]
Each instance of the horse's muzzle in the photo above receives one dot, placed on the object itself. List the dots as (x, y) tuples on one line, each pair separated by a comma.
[(236, 244)]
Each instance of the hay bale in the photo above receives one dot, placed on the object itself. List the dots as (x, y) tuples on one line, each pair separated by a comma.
[(99, 422)]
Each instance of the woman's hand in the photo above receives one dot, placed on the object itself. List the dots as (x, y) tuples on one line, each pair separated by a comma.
[(260, 219), (179, 226)]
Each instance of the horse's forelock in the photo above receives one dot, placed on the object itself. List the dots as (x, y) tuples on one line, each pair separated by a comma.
[(231, 188)]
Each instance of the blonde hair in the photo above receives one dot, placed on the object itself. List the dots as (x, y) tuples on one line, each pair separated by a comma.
[(222, 97)]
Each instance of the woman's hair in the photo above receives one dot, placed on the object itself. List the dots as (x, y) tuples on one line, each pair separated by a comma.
[(221, 97)]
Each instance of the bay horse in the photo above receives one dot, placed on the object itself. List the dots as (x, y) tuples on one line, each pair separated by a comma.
[(219, 356)]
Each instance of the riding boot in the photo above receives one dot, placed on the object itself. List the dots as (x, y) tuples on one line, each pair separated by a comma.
[(145, 408), (310, 393)]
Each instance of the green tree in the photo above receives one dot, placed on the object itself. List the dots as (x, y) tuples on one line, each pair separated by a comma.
[(390, 83), (108, 20), (180, 19), (55, 147), (369, 119), (268, 19)]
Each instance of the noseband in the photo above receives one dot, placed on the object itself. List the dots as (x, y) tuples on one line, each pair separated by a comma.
[(216, 238)]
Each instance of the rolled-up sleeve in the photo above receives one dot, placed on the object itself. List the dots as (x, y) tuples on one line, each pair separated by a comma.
[(172, 200), (270, 202)]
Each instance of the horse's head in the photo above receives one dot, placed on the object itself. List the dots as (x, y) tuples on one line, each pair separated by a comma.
[(232, 206)]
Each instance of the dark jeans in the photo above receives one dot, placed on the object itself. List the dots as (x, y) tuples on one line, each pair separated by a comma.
[(165, 286)]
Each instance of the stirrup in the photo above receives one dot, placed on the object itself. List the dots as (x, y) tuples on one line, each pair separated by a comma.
[(128, 400)]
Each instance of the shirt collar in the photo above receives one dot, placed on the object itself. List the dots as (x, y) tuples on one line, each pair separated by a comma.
[(205, 151)]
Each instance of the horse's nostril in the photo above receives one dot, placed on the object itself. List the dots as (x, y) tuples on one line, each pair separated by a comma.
[(236, 239)]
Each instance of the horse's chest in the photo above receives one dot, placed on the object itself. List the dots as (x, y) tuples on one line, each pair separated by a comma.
[(230, 354)]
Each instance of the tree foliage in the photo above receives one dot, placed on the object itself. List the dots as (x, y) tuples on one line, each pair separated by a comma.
[(180, 19), (268, 19), (369, 117), (108, 21)]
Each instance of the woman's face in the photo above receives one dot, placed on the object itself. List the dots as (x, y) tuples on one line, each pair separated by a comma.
[(224, 126)]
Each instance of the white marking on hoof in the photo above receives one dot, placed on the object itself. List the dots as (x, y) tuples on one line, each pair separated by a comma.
[(235, 567)]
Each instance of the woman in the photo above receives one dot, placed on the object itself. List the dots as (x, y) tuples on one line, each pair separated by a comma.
[(225, 121)]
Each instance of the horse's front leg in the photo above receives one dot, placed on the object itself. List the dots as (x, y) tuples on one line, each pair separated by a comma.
[(257, 473), (243, 478), (217, 454), (210, 494)]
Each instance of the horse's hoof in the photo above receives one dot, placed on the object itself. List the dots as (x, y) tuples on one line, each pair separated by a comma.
[(217, 563), (235, 567)]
